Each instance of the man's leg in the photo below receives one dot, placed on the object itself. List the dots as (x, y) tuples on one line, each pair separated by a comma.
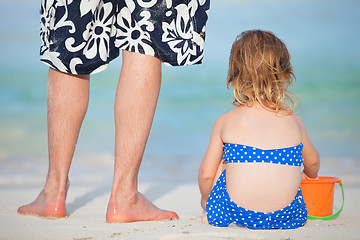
[(135, 103), (68, 97)]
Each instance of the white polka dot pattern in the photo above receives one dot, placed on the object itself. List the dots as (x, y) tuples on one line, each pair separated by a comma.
[(235, 153), (222, 211)]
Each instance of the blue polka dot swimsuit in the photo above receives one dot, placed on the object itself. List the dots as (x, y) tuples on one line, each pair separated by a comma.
[(222, 211)]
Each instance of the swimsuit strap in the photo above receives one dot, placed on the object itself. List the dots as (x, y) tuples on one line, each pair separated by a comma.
[(238, 153)]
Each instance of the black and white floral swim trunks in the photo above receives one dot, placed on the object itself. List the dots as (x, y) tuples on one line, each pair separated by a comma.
[(83, 36)]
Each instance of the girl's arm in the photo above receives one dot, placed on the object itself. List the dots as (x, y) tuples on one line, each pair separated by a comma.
[(211, 163), (310, 155)]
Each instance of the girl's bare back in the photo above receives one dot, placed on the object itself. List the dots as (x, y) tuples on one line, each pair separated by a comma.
[(264, 187)]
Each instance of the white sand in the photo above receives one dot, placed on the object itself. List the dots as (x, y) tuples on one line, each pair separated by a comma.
[(87, 206)]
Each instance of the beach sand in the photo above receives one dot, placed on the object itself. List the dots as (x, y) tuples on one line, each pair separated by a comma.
[(86, 206)]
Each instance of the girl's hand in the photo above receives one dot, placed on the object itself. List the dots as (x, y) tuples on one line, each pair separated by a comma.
[(306, 177)]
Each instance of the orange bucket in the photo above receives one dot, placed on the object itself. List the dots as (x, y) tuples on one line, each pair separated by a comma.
[(319, 197)]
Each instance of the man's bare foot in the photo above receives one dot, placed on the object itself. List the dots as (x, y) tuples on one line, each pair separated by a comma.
[(47, 204), (136, 209)]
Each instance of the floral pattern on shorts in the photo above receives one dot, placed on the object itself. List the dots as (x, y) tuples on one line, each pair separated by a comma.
[(83, 36)]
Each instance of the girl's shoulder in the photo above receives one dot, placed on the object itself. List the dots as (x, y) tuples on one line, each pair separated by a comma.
[(228, 116), (300, 123), (224, 120), (298, 119)]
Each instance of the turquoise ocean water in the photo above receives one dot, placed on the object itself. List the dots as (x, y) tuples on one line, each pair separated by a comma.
[(323, 39)]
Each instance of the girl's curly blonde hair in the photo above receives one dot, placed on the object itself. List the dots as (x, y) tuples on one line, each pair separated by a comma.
[(260, 70)]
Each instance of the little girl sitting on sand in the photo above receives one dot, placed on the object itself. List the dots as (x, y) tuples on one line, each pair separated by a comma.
[(251, 171)]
